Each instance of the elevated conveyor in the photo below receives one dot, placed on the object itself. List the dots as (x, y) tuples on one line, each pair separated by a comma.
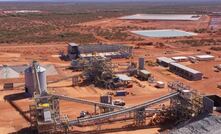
[(122, 111), (87, 102)]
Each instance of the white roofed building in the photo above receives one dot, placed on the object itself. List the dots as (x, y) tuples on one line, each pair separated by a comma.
[(180, 58), (205, 57)]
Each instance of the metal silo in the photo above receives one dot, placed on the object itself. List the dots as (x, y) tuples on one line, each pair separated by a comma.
[(141, 63), (29, 83), (29, 80), (42, 79)]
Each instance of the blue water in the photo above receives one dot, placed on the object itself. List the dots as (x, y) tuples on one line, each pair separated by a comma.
[(164, 33)]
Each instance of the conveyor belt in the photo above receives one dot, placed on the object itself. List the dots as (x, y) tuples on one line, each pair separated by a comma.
[(123, 111), (87, 102)]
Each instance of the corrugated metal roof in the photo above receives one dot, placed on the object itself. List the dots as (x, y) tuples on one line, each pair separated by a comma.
[(145, 72), (73, 44), (123, 77), (204, 56), (165, 59), (180, 58), (185, 68)]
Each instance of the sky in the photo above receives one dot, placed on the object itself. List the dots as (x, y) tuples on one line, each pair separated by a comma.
[(108, 0)]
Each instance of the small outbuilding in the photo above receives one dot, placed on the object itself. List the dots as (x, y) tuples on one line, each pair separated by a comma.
[(205, 57), (180, 58), (73, 50), (143, 74), (160, 84)]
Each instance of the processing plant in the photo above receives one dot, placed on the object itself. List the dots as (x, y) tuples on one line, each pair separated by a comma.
[(185, 104)]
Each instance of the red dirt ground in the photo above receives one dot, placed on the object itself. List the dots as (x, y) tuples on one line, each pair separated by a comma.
[(16, 54)]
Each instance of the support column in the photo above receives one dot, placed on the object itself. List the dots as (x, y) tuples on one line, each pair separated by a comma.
[(95, 110)]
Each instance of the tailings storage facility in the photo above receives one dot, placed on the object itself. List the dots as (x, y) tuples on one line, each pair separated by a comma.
[(166, 33), (163, 17)]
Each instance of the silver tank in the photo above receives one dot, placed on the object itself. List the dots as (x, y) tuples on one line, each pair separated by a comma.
[(29, 80), (141, 63), (29, 83), (42, 79)]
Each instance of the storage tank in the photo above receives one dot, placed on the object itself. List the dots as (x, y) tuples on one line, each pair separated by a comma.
[(29, 80), (29, 83), (42, 79), (141, 63)]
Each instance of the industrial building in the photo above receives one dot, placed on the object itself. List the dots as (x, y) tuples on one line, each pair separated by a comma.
[(143, 74), (102, 50), (205, 57), (185, 72), (164, 61), (180, 58)]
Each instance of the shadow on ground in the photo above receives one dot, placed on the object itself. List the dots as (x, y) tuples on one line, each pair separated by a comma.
[(15, 97)]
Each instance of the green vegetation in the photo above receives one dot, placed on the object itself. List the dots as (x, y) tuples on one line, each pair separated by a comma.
[(58, 22), (202, 30), (216, 48), (116, 35), (200, 42)]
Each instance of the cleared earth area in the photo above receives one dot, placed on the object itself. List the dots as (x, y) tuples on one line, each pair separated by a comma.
[(50, 35)]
